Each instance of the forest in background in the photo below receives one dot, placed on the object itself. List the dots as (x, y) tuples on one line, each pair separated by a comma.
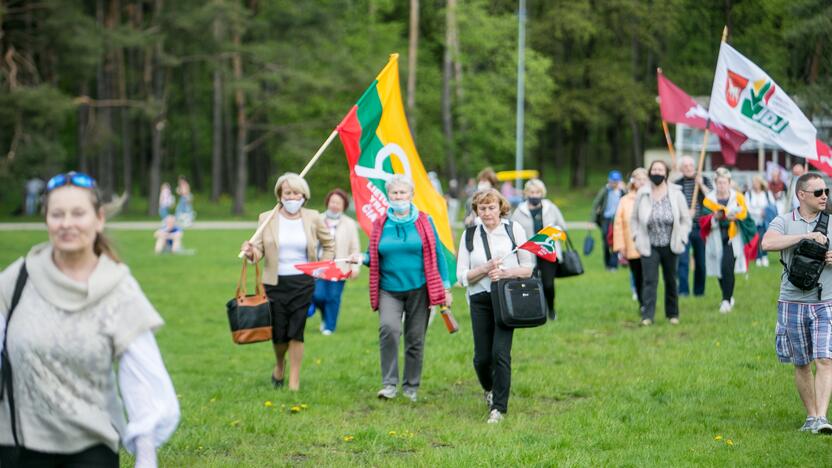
[(230, 93)]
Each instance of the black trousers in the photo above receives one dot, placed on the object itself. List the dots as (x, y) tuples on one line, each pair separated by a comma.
[(97, 456), (650, 269), (547, 272), (492, 350), (727, 280), (638, 278)]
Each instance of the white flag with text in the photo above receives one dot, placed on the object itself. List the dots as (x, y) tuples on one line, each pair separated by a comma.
[(745, 98)]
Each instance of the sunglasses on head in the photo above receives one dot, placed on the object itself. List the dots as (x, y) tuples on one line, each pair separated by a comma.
[(78, 179), (817, 193)]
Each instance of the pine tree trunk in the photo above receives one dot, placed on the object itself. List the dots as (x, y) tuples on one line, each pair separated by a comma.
[(447, 77), (412, 50), (580, 142), (239, 99), (228, 144), (81, 132), (216, 125), (126, 143), (157, 123), (190, 102)]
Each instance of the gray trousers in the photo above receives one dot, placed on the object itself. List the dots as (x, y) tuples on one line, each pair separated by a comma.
[(414, 305)]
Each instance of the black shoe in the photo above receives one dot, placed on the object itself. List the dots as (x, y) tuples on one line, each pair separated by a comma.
[(276, 383)]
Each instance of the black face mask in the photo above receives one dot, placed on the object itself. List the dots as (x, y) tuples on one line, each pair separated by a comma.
[(657, 179), (534, 201)]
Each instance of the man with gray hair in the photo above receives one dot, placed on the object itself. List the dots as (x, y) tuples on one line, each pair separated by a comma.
[(687, 182), (804, 316)]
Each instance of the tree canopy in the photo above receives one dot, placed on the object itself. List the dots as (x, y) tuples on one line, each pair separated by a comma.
[(231, 93)]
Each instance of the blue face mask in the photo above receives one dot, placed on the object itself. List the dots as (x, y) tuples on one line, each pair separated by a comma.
[(399, 206)]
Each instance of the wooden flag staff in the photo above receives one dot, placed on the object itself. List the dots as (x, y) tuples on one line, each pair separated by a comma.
[(669, 141), (704, 144), (303, 173)]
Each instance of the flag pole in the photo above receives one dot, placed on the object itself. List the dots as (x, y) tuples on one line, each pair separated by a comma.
[(670, 148), (303, 173), (667, 138), (704, 143)]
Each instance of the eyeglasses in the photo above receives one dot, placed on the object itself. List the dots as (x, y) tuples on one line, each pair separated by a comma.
[(817, 193), (78, 179)]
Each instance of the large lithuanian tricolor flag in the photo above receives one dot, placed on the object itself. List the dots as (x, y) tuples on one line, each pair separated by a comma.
[(378, 144)]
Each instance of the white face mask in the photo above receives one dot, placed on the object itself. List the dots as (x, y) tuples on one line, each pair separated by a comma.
[(332, 215), (400, 206), (292, 206)]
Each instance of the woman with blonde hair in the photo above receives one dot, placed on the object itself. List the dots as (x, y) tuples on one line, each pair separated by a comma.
[(729, 231), (622, 236), (476, 271), (294, 235), (408, 274), (535, 213)]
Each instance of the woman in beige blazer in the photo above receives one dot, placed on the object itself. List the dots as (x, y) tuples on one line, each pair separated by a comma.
[(344, 230), (622, 235), (295, 235)]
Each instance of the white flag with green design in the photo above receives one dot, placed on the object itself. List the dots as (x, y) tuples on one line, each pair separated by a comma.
[(745, 98)]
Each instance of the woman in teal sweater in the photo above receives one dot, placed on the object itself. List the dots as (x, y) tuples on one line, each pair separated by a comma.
[(408, 274)]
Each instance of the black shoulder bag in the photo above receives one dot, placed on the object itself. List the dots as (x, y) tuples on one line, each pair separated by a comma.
[(517, 302), (6, 386), (808, 260)]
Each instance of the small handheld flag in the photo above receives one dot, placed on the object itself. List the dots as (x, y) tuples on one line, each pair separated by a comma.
[(542, 244), (325, 270)]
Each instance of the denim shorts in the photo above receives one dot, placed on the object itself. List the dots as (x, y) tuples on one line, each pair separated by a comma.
[(804, 332)]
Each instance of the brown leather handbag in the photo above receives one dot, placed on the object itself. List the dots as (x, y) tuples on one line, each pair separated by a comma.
[(250, 316)]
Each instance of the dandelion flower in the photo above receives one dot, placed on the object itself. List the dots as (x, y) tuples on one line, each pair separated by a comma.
[(348, 438), (729, 442), (717, 437), (392, 433), (295, 409), (268, 404)]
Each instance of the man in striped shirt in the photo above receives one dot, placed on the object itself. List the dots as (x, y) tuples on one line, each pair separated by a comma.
[(687, 182)]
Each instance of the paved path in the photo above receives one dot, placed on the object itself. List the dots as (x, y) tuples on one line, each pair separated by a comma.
[(199, 226)]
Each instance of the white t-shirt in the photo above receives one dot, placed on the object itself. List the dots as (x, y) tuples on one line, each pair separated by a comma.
[(291, 246)]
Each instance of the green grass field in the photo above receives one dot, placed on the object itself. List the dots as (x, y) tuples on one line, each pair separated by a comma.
[(591, 389)]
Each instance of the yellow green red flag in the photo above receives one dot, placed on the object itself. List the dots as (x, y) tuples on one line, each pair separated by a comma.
[(378, 144), (542, 244)]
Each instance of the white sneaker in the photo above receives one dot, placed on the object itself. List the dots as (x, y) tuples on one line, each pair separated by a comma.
[(326, 332), (410, 394), (635, 296), (322, 328), (387, 393), (732, 302), (758, 262), (765, 261), (724, 307), (495, 416)]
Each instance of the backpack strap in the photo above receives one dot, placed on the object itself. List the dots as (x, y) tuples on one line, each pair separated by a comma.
[(485, 245), (510, 231), (6, 384), (469, 238), (823, 223)]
